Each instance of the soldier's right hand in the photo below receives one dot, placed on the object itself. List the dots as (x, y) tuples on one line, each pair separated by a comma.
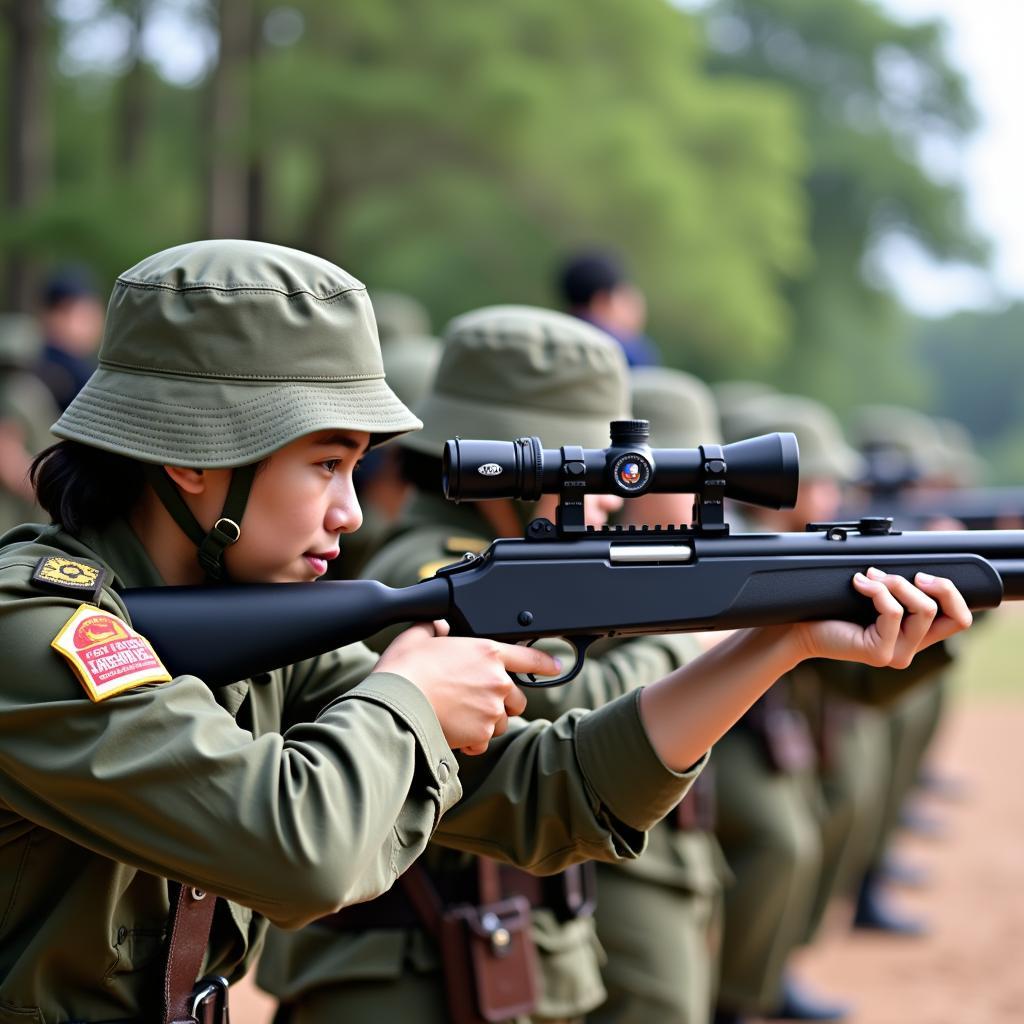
[(466, 680)]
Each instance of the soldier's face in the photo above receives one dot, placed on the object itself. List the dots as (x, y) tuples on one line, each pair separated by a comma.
[(302, 501)]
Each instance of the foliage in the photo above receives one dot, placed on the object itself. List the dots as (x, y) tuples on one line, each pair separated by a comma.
[(878, 99)]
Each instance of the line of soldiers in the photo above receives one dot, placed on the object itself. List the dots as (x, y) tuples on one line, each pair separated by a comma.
[(806, 790), (738, 875)]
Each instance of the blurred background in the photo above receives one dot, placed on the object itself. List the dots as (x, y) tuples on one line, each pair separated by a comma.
[(817, 196), (814, 195)]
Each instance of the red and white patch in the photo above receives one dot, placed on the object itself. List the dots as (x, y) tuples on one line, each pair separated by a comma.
[(108, 656)]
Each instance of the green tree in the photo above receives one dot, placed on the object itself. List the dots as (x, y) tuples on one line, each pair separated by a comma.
[(876, 96)]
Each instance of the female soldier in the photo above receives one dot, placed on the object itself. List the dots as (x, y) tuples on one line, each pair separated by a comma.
[(239, 383)]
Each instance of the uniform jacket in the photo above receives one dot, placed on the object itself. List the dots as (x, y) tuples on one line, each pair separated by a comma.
[(290, 794)]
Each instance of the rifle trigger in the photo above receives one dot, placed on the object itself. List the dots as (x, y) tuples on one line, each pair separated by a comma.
[(579, 644)]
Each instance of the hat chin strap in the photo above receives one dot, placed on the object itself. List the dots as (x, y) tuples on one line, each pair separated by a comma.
[(210, 544)]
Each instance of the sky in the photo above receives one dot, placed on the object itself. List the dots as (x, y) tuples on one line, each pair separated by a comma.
[(985, 44)]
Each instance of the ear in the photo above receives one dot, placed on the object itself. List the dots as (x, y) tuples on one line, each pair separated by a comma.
[(191, 481)]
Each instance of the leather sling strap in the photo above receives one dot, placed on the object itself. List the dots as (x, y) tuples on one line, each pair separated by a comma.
[(424, 899), (188, 935)]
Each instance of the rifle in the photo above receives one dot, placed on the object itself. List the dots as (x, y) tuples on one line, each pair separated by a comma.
[(569, 580), (977, 508)]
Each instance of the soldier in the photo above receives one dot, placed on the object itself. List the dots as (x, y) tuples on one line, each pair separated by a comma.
[(409, 364), (594, 286), (26, 412), (659, 918), (71, 319), (800, 785), (905, 450), (504, 371), (238, 384)]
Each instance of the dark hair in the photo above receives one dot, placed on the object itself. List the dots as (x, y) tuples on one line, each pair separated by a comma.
[(421, 470), (81, 486), (587, 274), (66, 284)]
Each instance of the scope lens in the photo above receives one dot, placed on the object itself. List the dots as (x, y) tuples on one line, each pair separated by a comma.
[(631, 473)]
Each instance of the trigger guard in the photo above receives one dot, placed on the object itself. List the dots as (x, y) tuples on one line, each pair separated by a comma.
[(579, 646)]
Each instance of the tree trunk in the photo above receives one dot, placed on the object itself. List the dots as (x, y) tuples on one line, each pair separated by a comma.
[(28, 139), (227, 124), (134, 96)]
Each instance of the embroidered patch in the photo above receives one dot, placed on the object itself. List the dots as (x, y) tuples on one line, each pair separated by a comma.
[(56, 573), (108, 656)]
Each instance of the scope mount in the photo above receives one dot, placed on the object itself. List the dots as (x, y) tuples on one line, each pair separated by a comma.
[(708, 500)]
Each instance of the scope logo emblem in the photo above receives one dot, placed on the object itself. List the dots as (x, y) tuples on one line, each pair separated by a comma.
[(629, 473), (489, 469)]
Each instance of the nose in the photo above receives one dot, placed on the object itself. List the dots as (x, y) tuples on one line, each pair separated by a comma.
[(343, 513)]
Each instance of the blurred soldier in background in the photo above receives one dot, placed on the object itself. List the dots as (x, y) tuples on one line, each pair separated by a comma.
[(410, 358), (594, 287), (659, 918), (905, 450), (72, 323), (802, 779), (505, 371), (26, 414)]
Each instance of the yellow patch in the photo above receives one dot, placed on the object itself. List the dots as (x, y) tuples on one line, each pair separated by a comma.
[(460, 545), (107, 655), (57, 573), (430, 568)]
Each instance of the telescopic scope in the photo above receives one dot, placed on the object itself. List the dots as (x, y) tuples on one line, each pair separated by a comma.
[(761, 470)]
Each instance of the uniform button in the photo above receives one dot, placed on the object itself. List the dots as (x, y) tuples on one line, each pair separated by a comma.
[(443, 771)]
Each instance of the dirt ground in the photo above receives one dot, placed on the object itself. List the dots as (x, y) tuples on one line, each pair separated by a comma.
[(966, 971)]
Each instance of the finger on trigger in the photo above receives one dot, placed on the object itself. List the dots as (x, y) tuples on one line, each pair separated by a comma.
[(529, 660)]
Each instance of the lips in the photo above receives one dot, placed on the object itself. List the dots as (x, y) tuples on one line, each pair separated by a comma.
[(318, 560)]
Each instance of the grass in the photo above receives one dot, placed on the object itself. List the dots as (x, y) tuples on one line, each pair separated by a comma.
[(990, 662)]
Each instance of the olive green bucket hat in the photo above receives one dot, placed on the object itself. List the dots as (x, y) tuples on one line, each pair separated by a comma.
[(824, 452), (217, 353), (679, 407), (513, 371)]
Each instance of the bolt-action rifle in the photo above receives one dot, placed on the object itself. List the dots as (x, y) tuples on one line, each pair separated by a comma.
[(565, 579)]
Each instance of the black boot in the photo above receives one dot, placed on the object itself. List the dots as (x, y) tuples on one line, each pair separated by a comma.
[(875, 913), (799, 1004)]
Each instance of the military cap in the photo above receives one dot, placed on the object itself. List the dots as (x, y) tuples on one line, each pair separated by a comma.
[(732, 395), (399, 316), (680, 408), (512, 371), (824, 452), (410, 365), (217, 353), (907, 439), (20, 340)]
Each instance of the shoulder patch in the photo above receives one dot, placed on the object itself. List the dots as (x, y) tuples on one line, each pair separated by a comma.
[(460, 545), (68, 575), (107, 655)]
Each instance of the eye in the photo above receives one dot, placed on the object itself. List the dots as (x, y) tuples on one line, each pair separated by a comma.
[(330, 464)]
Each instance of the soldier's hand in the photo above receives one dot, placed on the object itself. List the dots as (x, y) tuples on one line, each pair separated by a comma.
[(910, 618), (466, 680)]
